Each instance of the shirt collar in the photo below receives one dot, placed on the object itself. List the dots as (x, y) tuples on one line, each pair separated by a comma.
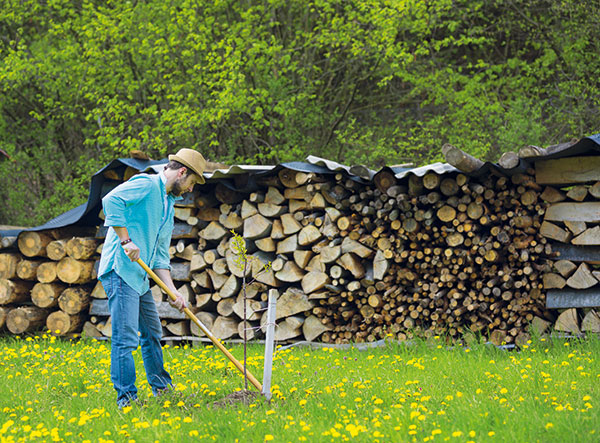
[(163, 180)]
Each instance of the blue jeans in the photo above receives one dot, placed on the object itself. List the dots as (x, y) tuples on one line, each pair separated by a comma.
[(131, 313)]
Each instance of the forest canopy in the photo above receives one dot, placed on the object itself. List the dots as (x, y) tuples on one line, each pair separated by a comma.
[(369, 82)]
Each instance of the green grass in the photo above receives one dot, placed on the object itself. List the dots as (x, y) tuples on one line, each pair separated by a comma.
[(52, 390)]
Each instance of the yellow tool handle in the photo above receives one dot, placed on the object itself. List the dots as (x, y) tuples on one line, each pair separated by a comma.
[(204, 329)]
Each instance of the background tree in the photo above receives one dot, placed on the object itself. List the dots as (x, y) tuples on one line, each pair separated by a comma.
[(357, 81)]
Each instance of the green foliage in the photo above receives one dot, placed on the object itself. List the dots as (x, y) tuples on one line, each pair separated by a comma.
[(359, 81)]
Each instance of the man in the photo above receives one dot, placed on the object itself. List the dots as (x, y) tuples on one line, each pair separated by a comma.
[(140, 214)]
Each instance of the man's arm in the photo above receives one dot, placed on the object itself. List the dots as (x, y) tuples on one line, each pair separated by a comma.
[(165, 276), (131, 249)]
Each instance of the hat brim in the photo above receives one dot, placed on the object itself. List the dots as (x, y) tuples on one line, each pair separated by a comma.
[(175, 157)]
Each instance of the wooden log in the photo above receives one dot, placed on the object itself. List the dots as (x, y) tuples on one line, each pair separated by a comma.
[(577, 193), (498, 337), (74, 271), (90, 331), (231, 287), (60, 323), (105, 327), (461, 160), (248, 330), (290, 273), (293, 301), (588, 237), (47, 272), (568, 170), (551, 280), (8, 241), (380, 266), (213, 232), (582, 278), (27, 269), (591, 322), (290, 224), (509, 160), (4, 310), (354, 247), (197, 262), (312, 328), (180, 271), (300, 193), (25, 319), (302, 258), (288, 245), (184, 213), (352, 263), (266, 244), (254, 308), (56, 249), (565, 267), (550, 230), (33, 244), (292, 179), (446, 213), (81, 248), (576, 227), (308, 235), (208, 214), (14, 291), (284, 330), (74, 300), (207, 319), (586, 211), (257, 227), (314, 281), (248, 210), (45, 295), (594, 190), (552, 195), (539, 326), (235, 264), (225, 327), (384, 180), (330, 254), (568, 321), (179, 328), (271, 210), (8, 264), (273, 196)]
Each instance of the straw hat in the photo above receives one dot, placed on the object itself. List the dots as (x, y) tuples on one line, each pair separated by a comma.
[(191, 159)]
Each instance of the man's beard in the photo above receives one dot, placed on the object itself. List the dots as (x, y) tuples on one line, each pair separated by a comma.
[(176, 189)]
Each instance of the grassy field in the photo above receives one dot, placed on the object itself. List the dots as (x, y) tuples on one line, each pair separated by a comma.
[(53, 390)]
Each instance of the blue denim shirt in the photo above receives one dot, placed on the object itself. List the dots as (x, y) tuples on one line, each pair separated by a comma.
[(143, 206)]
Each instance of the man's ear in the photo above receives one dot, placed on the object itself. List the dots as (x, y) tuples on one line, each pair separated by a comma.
[(182, 171)]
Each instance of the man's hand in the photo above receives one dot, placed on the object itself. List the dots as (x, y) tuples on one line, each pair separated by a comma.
[(132, 251), (180, 302)]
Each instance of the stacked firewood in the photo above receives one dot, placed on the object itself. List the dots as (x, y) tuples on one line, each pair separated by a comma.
[(351, 259), (45, 281), (451, 254), (573, 192), (354, 261)]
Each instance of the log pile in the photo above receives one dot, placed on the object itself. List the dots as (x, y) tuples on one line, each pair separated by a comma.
[(352, 260), (572, 191), (46, 279)]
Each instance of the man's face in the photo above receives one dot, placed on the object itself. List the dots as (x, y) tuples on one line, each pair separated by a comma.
[(184, 183)]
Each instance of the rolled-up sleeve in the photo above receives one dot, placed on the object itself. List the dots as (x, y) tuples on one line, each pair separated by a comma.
[(119, 199), (163, 260)]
